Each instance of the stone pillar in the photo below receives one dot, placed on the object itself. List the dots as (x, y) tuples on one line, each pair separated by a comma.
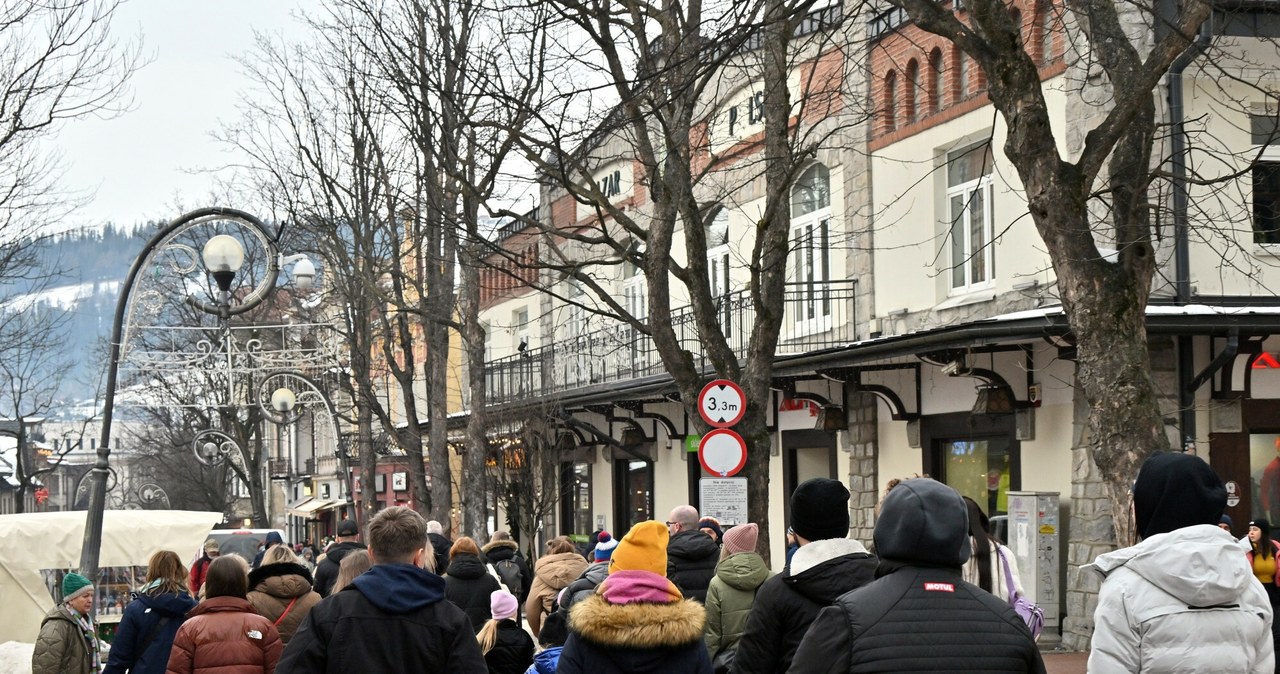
[(863, 473), (1091, 532)]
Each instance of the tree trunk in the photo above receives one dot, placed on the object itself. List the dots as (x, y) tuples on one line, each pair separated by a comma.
[(368, 459)]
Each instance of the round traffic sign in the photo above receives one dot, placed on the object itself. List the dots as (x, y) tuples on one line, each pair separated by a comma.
[(721, 403), (722, 452)]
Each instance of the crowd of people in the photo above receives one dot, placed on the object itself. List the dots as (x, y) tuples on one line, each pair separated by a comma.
[(691, 595)]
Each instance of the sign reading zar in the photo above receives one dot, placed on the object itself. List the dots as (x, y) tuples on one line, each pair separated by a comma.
[(721, 403)]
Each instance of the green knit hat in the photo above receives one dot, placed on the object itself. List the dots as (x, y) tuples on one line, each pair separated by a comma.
[(74, 585)]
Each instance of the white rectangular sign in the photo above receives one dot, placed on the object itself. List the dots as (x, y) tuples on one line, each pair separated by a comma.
[(724, 498)]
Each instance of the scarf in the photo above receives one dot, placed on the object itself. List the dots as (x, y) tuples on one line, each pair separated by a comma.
[(90, 637), (630, 586)]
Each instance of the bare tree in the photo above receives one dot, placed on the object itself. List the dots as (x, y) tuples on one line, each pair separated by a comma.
[(668, 65)]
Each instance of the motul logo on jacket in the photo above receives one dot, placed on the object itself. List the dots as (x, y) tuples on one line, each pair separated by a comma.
[(939, 587)]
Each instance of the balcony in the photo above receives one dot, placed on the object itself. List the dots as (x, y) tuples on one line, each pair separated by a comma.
[(818, 315)]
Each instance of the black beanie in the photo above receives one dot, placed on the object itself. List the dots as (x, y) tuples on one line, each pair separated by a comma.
[(1175, 491), (1263, 525), (820, 509)]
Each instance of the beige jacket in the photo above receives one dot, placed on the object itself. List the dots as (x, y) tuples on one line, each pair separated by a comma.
[(551, 574)]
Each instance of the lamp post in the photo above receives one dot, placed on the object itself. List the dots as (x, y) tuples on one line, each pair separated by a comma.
[(223, 255)]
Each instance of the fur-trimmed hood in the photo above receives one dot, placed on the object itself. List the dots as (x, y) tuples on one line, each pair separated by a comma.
[(638, 626), (286, 580), (491, 546)]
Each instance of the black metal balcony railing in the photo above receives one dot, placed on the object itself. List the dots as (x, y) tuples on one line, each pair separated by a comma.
[(818, 315)]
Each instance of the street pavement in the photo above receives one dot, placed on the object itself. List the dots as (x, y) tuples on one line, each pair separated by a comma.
[(1065, 662)]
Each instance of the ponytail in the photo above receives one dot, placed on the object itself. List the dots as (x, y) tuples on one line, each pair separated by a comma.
[(488, 636)]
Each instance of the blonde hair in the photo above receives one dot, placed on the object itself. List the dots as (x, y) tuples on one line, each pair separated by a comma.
[(560, 544), (278, 554), (488, 636), (355, 563)]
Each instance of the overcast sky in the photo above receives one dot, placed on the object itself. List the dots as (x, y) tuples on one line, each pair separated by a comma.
[(141, 164)]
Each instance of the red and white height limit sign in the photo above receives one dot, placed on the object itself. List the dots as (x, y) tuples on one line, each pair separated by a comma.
[(722, 452)]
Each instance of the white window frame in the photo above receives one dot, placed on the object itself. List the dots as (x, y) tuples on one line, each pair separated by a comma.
[(577, 339), (520, 329), (635, 300), (809, 307), (960, 230)]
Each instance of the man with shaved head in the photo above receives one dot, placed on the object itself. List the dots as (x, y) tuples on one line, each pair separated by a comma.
[(691, 553)]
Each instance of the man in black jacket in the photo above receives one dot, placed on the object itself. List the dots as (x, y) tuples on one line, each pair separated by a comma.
[(826, 565), (691, 554), (392, 618), (919, 614), (327, 570), (501, 549)]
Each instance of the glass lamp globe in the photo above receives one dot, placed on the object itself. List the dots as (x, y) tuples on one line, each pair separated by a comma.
[(223, 253), (282, 400)]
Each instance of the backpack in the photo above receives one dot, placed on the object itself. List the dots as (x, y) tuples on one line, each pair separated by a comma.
[(510, 576)]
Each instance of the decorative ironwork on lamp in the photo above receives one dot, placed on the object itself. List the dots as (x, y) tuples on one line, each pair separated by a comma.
[(995, 399), (832, 418)]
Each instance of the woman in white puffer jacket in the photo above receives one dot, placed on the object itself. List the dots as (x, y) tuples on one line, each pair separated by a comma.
[(986, 566)]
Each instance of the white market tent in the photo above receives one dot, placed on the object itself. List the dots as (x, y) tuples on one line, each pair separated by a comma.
[(35, 541)]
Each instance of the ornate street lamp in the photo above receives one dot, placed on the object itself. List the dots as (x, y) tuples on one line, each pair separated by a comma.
[(223, 256)]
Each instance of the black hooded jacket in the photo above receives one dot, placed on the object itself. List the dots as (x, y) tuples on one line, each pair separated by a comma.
[(393, 618), (327, 569), (469, 586), (919, 614), (691, 563), (787, 603)]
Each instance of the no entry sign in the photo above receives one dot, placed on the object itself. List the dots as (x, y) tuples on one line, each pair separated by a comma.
[(721, 403), (722, 452)]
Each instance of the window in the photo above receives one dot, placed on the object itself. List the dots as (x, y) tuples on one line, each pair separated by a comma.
[(577, 340), (1047, 20), (520, 324), (633, 493), (575, 499), (635, 302), (962, 74), (488, 342), (1266, 179), (909, 95), (890, 101), (718, 266), (936, 82), (808, 296), (969, 194)]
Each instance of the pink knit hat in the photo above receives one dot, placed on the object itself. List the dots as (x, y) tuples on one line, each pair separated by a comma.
[(502, 604), (741, 538)]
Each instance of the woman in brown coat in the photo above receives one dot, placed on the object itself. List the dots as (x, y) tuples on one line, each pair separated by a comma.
[(560, 566), (223, 635), (282, 590)]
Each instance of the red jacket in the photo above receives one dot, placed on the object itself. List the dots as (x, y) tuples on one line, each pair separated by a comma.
[(198, 572), (224, 636)]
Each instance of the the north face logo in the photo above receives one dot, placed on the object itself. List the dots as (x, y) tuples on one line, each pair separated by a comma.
[(939, 587)]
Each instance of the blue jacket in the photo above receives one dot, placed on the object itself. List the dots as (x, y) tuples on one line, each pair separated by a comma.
[(545, 662), (140, 617)]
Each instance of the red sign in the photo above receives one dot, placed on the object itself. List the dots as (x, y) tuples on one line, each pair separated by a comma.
[(1266, 361), (722, 452), (722, 403), (42, 495)]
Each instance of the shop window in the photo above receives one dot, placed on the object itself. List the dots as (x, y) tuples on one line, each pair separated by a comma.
[(977, 455), (575, 498), (633, 493)]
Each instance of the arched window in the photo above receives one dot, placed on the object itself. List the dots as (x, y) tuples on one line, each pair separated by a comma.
[(889, 112), (809, 268), (1048, 23), (909, 112), (936, 81), (1016, 16)]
